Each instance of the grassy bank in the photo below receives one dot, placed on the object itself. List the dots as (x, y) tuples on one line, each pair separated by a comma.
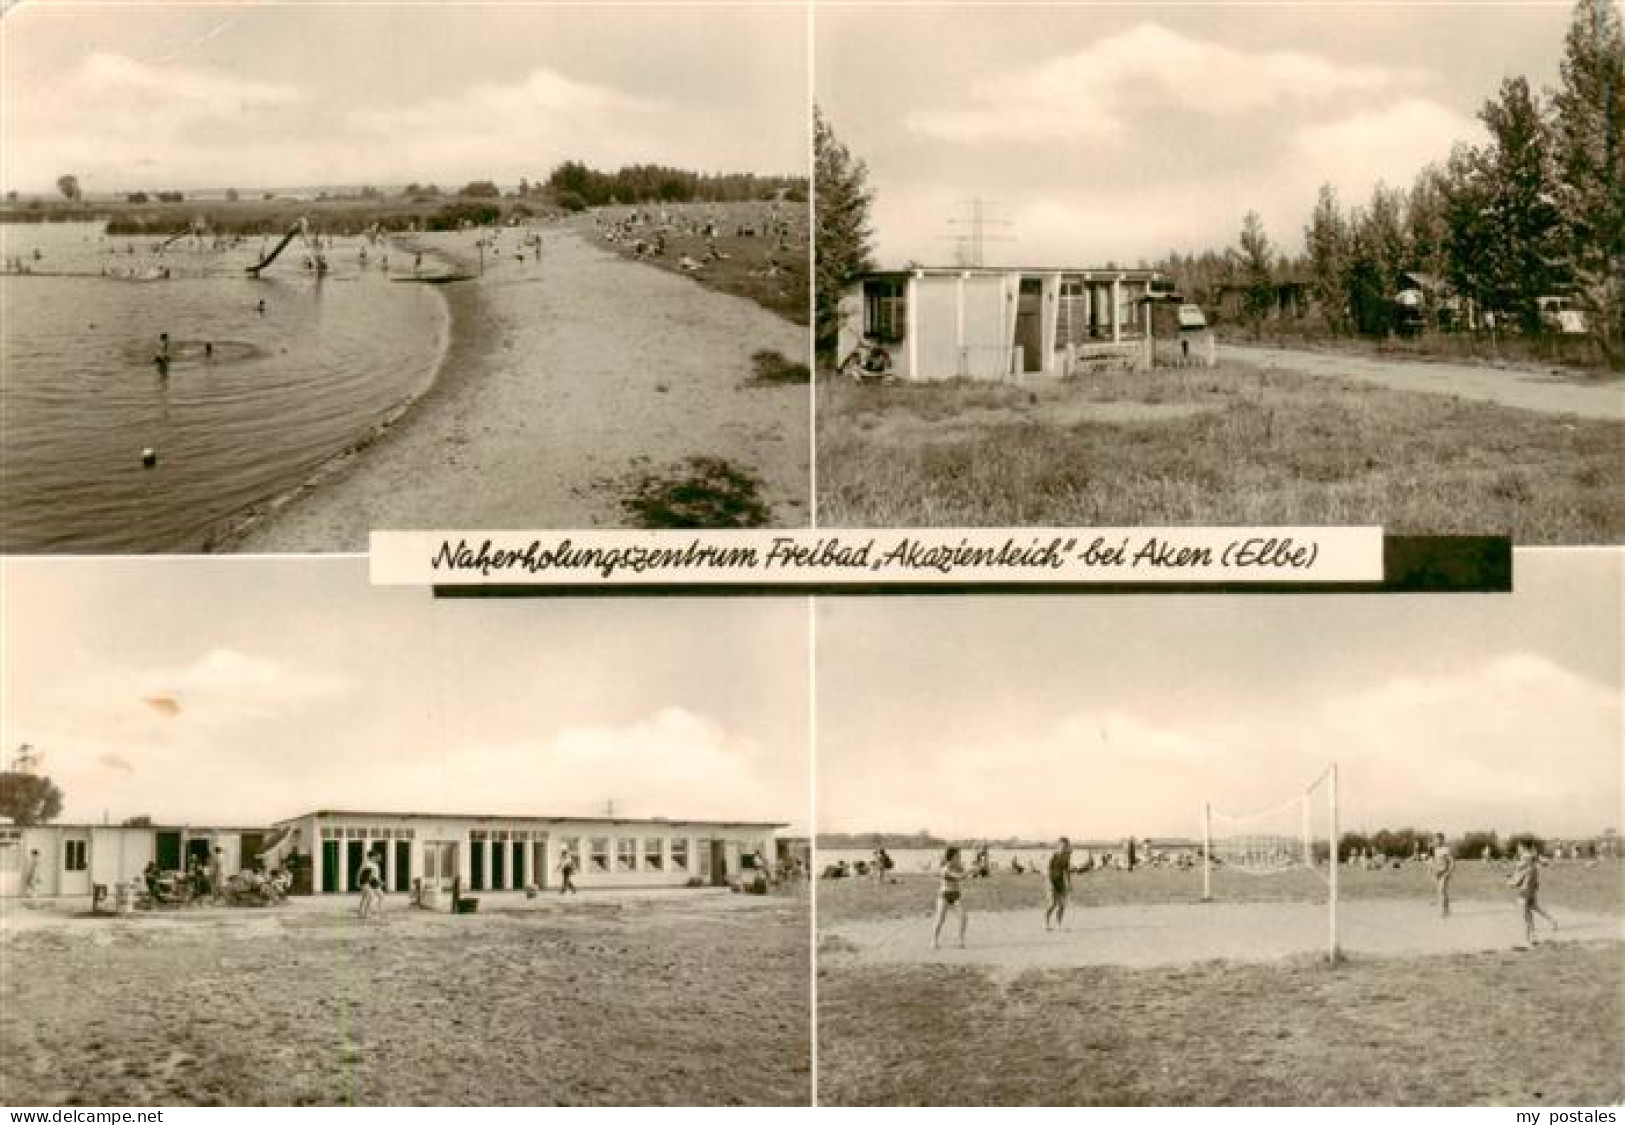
[(1230, 445), (755, 267), (1525, 1028), (1539, 1028)]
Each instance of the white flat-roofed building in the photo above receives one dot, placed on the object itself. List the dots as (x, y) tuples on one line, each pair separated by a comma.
[(71, 859), (997, 322), (501, 853)]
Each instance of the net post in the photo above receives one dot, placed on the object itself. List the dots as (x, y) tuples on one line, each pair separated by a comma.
[(1207, 852), (1332, 875)]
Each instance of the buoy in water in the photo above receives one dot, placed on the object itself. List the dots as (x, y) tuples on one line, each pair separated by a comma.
[(149, 457)]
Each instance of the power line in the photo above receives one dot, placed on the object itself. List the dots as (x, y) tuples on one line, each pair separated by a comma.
[(970, 243)]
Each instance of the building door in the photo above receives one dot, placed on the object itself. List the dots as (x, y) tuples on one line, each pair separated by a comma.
[(198, 849), (330, 866), (519, 865), (355, 856), (719, 863), (169, 851), (75, 866), (499, 873), (539, 854), (11, 868), (1030, 324), (476, 865), (403, 865), (251, 843), (439, 863)]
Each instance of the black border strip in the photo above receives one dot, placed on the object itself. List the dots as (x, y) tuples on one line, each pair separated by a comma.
[(1411, 564)]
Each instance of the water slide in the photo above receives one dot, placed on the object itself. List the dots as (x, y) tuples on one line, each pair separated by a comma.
[(271, 257)]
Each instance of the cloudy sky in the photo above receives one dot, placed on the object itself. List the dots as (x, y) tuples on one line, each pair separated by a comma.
[(1115, 716), (1120, 132), (243, 691), (128, 95)]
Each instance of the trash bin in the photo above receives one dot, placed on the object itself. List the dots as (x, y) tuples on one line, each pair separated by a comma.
[(466, 906)]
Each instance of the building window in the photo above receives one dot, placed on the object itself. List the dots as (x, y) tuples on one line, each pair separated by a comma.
[(679, 854), (653, 858), (885, 310), (74, 854), (478, 834), (626, 854), (599, 860)]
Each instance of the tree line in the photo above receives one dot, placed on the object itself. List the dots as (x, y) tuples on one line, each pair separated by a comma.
[(1537, 212), (576, 187)]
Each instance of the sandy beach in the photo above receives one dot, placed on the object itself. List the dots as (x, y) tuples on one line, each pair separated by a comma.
[(677, 997), (566, 379)]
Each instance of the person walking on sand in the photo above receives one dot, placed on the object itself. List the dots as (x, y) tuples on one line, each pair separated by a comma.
[(567, 871), (1060, 884), (368, 879), (217, 876), (1526, 881), (950, 896), (1444, 865), (31, 875)]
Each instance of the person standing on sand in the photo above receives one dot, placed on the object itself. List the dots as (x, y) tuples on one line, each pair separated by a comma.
[(1444, 865), (367, 878), (950, 896), (217, 875), (31, 874), (1060, 884), (567, 871), (1526, 880)]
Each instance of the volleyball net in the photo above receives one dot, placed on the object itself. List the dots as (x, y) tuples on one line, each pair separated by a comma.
[(1299, 834)]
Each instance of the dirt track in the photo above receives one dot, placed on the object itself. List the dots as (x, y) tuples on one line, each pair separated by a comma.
[(1539, 391), (1146, 936), (564, 378)]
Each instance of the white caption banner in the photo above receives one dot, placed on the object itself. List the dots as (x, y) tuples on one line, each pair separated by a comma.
[(894, 556)]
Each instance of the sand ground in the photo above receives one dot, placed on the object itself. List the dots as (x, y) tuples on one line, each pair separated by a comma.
[(1541, 391), (1173, 934), (685, 997), (565, 378)]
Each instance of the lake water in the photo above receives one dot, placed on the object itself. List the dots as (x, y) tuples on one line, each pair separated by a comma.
[(283, 391)]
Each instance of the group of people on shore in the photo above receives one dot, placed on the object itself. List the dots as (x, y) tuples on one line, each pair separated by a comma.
[(952, 873), (1524, 881)]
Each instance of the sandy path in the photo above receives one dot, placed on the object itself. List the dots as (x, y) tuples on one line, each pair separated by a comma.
[(563, 378), (1526, 390), (1147, 936)]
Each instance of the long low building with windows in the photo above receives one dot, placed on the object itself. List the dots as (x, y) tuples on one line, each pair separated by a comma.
[(325, 850), (497, 853)]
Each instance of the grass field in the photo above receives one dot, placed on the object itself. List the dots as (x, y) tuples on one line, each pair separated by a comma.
[(1231, 445), (683, 998), (1494, 1027)]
